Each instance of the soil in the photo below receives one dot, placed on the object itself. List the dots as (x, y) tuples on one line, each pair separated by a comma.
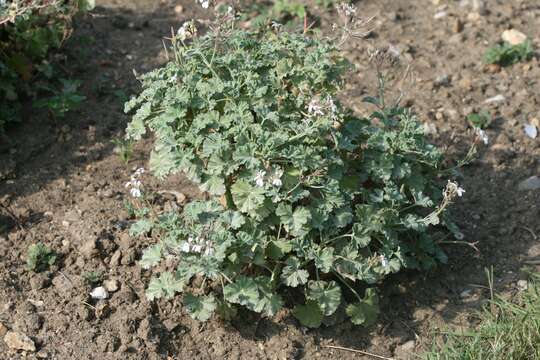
[(63, 185)]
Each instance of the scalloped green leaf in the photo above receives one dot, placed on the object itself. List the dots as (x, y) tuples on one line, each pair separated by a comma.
[(309, 315)]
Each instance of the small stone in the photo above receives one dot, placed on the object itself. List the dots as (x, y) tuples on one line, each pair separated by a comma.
[(479, 6), (466, 294), (115, 258), (513, 37), (495, 99), (108, 193), (99, 293), (493, 68), (39, 281), (124, 241), (532, 183), (128, 257), (474, 16), (405, 351), (18, 341), (170, 324), (531, 131), (89, 249), (457, 26), (42, 354), (36, 303), (3, 330), (466, 83), (440, 15), (393, 16), (522, 285), (111, 285), (442, 80), (102, 310)]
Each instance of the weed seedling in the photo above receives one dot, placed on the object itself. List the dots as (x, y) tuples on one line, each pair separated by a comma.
[(93, 277), (63, 101), (480, 120), (124, 149), (39, 257), (506, 54)]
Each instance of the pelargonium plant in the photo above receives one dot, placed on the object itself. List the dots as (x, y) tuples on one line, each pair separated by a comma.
[(302, 197)]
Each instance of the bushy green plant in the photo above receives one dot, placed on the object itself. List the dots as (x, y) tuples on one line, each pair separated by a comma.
[(506, 54), (29, 30), (303, 197), (39, 257)]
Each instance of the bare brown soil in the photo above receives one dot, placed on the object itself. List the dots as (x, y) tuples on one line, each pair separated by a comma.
[(63, 184)]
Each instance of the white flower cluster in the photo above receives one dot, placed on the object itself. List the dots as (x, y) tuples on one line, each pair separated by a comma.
[(135, 184), (274, 178), (187, 31), (453, 188), (204, 3), (482, 136), (197, 245), (318, 108), (346, 9)]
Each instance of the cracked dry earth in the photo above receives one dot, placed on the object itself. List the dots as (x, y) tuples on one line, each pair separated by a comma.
[(64, 185)]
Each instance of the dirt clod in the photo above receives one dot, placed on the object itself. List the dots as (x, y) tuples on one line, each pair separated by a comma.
[(19, 341)]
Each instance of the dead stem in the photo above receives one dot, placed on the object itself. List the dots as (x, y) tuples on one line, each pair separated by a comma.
[(357, 351), (472, 245)]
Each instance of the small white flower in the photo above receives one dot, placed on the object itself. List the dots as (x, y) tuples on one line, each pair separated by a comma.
[(347, 9), (275, 25), (204, 3), (135, 192), (482, 136), (185, 247), (460, 191), (208, 251), (187, 31), (315, 108), (384, 261), (136, 183), (276, 177), (259, 178), (196, 248)]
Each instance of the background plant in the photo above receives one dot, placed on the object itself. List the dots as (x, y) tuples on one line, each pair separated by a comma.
[(29, 30), (508, 329), (303, 197)]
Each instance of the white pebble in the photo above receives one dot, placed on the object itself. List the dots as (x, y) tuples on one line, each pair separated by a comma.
[(99, 293)]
